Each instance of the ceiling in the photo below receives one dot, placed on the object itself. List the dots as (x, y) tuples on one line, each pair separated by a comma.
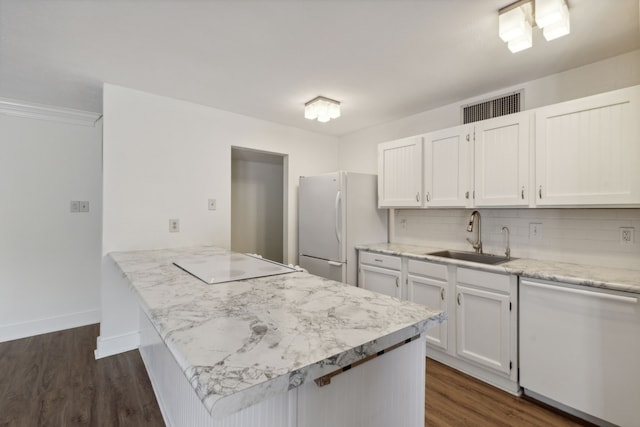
[(383, 59)]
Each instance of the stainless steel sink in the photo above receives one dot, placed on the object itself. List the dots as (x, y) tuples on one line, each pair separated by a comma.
[(472, 257)]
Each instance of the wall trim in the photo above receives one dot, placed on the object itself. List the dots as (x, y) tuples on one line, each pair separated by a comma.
[(50, 324), (12, 107), (108, 346)]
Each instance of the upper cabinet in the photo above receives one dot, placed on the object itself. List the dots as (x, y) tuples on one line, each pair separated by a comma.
[(400, 173), (502, 161), (588, 151), (448, 167)]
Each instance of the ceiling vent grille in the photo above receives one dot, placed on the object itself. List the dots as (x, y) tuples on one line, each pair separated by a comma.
[(494, 107)]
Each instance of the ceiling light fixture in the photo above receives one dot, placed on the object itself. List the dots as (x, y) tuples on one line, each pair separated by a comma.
[(321, 108), (515, 22)]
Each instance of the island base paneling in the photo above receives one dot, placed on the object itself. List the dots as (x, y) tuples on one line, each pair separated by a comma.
[(352, 399)]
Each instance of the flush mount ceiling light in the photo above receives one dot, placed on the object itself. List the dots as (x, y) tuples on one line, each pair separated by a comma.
[(321, 108), (515, 22)]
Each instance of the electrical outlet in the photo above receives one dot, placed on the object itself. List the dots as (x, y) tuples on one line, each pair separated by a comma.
[(83, 206), (174, 225), (535, 231), (74, 206), (626, 235), (212, 204)]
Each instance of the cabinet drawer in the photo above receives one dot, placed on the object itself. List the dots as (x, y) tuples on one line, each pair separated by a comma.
[(379, 260), (483, 279), (429, 269)]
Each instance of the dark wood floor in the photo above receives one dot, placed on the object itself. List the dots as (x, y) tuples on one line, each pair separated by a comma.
[(54, 380), (453, 399)]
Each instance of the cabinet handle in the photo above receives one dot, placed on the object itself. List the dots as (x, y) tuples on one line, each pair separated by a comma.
[(377, 260), (458, 299), (466, 195), (468, 137), (442, 294), (418, 197), (397, 284), (522, 193), (540, 191), (427, 196)]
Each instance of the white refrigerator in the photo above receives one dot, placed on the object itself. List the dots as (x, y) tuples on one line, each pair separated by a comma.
[(336, 211)]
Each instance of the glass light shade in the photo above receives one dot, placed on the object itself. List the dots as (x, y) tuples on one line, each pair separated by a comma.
[(322, 109), (512, 24), (310, 112), (549, 12), (558, 29), (334, 111), (523, 42)]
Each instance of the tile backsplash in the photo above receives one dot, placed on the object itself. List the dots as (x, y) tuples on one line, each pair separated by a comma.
[(585, 236)]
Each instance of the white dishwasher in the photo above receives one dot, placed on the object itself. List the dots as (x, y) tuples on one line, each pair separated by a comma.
[(580, 347)]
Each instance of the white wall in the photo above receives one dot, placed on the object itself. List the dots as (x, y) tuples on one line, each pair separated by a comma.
[(573, 235), (49, 257), (164, 158), (257, 203)]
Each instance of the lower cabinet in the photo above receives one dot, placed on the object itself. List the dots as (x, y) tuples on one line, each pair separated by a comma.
[(427, 284), (380, 273), (483, 319), (480, 335)]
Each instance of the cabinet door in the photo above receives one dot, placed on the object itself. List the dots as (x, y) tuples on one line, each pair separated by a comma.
[(380, 280), (432, 293), (448, 165), (502, 161), (588, 151), (400, 173), (483, 327)]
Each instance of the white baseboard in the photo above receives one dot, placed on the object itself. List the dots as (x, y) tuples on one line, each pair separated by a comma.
[(50, 324), (108, 346)]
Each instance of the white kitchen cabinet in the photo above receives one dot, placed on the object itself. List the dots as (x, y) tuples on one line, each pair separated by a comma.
[(400, 173), (483, 319), (480, 335), (501, 163), (580, 347), (448, 167), (588, 151), (427, 284), (380, 273)]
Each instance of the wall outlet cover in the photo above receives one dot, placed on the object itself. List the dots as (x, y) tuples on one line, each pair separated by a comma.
[(212, 204), (535, 231), (74, 206), (626, 235), (174, 225)]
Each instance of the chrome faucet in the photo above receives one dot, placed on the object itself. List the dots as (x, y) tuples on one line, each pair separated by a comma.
[(507, 250), (477, 245)]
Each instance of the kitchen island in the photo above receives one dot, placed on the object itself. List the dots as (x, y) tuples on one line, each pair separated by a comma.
[(284, 350)]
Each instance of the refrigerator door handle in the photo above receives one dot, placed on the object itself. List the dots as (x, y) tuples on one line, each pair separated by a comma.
[(338, 217), (335, 264)]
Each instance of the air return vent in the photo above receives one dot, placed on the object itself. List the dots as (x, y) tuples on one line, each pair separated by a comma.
[(494, 107)]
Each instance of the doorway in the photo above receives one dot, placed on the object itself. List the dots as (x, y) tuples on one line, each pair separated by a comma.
[(259, 203)]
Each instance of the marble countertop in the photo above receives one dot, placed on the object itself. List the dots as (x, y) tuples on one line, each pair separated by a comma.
[(617, 279), (243, 341)]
